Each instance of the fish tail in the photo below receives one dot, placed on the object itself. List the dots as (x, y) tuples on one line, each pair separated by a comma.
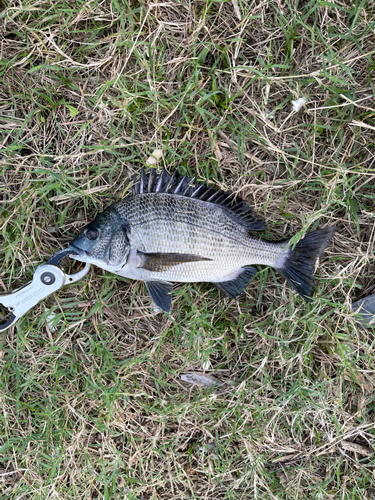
[(297, 265)]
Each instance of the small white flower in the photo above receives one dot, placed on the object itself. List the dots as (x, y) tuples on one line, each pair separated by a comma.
[(206, 365), (299, 103)]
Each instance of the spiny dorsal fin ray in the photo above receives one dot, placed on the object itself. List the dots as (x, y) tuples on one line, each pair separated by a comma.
[(174, 180), (135, 187), (163, 180), (151, 180), (233, 205), (182, 185), (144, 182)]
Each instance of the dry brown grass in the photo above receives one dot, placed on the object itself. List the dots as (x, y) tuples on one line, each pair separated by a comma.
[(97, 409)]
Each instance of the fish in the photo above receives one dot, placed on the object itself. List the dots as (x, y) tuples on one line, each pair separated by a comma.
[(365, 311), (172, 229)]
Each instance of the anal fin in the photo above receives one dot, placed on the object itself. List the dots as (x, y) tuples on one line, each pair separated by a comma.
[(234, 288), (159, 291)]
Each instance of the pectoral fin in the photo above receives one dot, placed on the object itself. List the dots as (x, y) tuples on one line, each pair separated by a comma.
[(159, 262), (159, 291)]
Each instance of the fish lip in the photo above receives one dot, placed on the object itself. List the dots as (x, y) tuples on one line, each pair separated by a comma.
[(77, 251)]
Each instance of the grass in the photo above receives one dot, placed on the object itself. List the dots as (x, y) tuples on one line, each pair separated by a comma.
[(97, 408)]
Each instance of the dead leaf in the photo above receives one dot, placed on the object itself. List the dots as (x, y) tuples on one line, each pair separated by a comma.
[(223, 144), (201, 380), (349, 446), (286, 458), (87, 303), (217, 153), (359, 379), (156, 155), (189, 470), (237, 9)]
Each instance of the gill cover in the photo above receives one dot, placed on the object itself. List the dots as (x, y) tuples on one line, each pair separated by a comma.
[(119, 246), (104, 239)]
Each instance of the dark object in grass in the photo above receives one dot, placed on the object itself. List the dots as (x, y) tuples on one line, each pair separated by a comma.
[(25, 152), (365, 311), (172, 229)]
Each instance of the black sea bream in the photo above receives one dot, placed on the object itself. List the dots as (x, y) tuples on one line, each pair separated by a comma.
[(171, 229)]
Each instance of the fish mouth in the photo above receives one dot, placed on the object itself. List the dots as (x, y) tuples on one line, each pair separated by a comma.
[(76, 251)]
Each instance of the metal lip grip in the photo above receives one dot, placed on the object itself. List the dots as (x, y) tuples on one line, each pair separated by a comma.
[(47, 279)]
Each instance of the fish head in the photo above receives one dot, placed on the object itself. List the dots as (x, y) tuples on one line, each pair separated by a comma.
[(104, 241)]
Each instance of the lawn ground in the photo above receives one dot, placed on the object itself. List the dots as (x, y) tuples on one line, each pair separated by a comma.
[(97, 409)]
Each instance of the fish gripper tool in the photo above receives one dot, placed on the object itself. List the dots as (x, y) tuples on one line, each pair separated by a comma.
[(47, 279)]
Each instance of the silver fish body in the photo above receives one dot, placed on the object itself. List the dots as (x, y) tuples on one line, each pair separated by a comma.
[(170, 229), (169, 223)]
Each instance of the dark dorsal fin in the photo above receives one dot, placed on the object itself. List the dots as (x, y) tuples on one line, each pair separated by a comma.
[(233, 205)]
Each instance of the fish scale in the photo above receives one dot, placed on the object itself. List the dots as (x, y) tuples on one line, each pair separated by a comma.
[(171, 229), (192, 227)]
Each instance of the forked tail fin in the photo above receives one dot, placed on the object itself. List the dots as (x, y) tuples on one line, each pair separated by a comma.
[(297, 265)]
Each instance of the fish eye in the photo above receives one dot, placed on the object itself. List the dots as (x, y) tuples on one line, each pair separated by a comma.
[(92, 234)]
